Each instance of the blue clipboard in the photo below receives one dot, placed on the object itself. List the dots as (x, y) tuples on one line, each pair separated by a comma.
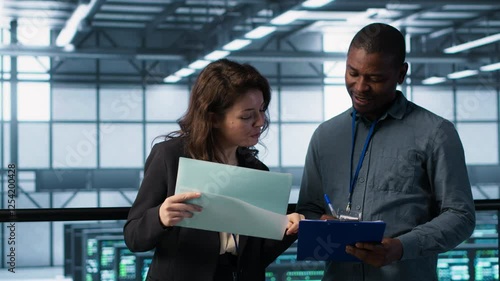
[(325, 240)]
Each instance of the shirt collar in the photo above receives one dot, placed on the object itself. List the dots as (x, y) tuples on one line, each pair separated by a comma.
[(397, 109)]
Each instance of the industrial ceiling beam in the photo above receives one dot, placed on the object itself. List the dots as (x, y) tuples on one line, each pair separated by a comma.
[(250, 56), (78, 21), (406, 3), (167, 11), (302, 56), (220, 30), (90, 53), (461, 23)]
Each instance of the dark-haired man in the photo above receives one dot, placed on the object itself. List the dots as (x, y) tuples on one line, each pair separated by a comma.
[(389, 160)]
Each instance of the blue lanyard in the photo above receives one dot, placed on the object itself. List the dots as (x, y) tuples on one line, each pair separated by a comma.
[(235, 243), (361, 157)]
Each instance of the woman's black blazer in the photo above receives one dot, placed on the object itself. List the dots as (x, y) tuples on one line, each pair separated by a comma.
[(185, 254)]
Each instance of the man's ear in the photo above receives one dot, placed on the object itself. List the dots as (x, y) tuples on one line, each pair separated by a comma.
[(402, 73)]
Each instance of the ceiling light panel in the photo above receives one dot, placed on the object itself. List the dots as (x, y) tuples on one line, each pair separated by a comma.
[(428, 23), (462, 74), (171, 79), (199, 64), (384, 13), (473, 44), (433, 80), (320, 15), (160, 2), (200, 11), (184, 72), (217, 54), (190, 19), (287, 17), (128, 8), (236, 44), (471, 7), (418, 30), (265, 13), (212, 2), (315, 3), (336, 26), (448, 15), (490, 67), (403, 7), (260, 32)]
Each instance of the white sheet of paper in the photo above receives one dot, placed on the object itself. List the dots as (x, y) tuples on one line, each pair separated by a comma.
[(235, 199)]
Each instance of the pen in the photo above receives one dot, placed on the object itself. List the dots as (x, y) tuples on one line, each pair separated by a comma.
[(329, 203)]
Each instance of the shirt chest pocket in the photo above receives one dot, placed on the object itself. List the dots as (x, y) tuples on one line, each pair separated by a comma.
[(396, 169)]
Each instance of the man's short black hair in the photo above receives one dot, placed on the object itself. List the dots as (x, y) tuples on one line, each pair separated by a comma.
[(381, 38)]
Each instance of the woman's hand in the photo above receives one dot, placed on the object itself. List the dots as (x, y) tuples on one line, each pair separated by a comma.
[(293, 223), (173, 209)]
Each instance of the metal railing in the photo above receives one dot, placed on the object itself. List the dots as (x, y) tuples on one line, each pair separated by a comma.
[(120, 213)]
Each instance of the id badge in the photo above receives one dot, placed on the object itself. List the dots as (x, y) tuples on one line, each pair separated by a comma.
[(350, 215)]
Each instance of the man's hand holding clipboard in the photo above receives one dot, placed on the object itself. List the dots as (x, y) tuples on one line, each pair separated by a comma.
[(377, 254), (328, 240)]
